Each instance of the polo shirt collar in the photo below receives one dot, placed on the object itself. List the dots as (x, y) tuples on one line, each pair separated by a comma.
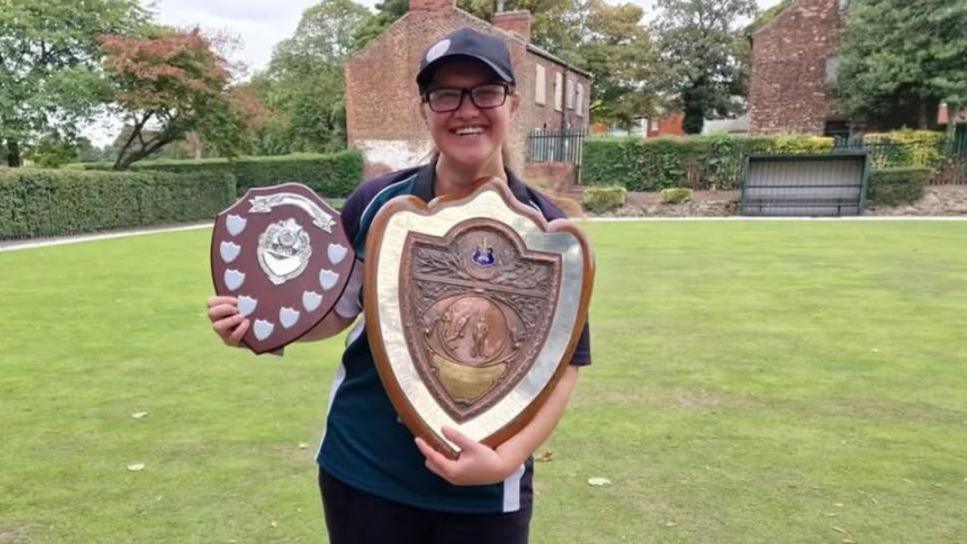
[(427, 175)]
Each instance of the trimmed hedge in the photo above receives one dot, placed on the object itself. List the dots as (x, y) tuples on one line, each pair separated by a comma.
[(332, 175), (676, 195), (896, 186), (906, 148), (603, 199), (37, 202), (696, 162)]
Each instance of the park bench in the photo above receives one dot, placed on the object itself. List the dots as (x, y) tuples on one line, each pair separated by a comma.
[(805, 185)]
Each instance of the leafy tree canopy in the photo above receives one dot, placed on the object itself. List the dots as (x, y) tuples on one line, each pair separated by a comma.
[(900, 56), (167, 85), (50, 76), (702, 46)]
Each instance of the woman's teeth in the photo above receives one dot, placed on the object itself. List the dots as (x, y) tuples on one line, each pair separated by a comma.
[(468, 130)]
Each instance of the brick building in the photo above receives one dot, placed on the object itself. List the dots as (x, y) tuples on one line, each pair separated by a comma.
[(382, 102), (794, 69), (668, 125)]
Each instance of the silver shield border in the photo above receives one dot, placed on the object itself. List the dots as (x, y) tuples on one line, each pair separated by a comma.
[(485, 204)]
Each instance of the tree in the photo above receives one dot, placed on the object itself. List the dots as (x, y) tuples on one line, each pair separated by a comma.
[(50, 78), (168, 85), (701, 45), (53, 151), (374, 24), (323, 38), (554, 23), (304, 84), (618, 50), (901, 56), (254, 114)]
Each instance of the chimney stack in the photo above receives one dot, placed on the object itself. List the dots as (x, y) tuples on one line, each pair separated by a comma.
[(432, 5), (518, 22)]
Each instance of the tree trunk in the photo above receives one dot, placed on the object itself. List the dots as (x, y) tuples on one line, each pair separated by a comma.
[(922, 121), (694, 103), (694, 119), (13, 154), (953, 113)]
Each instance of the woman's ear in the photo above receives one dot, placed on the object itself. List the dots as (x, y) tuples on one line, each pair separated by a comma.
[(514, 102)]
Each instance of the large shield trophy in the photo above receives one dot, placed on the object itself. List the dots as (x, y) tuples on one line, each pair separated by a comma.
[(474, 305), (281, 251)]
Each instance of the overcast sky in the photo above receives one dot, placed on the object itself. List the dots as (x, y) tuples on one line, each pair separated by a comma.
[(259, 24)]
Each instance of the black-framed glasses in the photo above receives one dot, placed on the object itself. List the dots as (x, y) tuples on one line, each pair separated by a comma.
[(490, 95)]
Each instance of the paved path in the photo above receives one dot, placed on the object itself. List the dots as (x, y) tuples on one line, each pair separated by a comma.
[(15, 245)]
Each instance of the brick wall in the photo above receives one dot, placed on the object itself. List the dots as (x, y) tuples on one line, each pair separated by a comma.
[(518, 22), (431, 5), (546, 115), (788, 90), (552, 177), (669, 125)]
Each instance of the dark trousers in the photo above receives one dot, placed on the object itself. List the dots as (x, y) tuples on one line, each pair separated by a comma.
[(357, 517)]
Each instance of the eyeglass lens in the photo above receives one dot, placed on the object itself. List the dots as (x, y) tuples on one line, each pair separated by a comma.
[(482, 96)]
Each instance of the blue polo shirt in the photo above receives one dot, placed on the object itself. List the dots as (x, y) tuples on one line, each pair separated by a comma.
[(364, 444)]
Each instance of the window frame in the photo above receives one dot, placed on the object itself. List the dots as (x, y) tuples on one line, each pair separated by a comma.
[(540, 85)]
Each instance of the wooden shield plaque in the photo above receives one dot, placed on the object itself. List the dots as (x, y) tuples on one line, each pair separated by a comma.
[(281, 251), (474, 305)]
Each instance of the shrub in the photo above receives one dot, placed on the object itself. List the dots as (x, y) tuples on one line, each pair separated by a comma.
[(603, 199), (676, 195), (906, 148), (696, 162), (569, 206), (37, 202), (332, 175), (800, 143), (896, 186)]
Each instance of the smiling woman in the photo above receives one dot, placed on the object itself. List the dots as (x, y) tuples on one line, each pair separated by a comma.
[(380, 484)]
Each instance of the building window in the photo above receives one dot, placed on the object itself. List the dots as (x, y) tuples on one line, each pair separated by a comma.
[(838, 130), (558, 91), (579, 107), (570, 93), (832, 70), (540, 86)]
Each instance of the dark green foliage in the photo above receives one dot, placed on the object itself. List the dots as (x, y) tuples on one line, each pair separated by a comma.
[(704, 49), (37, 202), (901, 58), (332, 175), (896, 186), (767, 17), (304, 85), (51, 83), (603, 199), (699, 162), (676, 195)]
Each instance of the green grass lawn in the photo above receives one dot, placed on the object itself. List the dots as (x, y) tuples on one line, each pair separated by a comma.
[(752, 382)]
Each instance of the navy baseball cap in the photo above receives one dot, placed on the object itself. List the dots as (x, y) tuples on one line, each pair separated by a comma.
[(467, 42)]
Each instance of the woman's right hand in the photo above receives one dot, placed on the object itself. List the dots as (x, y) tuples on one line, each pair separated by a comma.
[(227, 322)]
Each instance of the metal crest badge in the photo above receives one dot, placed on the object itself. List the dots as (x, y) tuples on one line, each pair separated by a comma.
[(474, 306), (281, 251)]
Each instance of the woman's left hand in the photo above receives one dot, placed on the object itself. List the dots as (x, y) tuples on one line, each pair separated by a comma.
[(477, 464)]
